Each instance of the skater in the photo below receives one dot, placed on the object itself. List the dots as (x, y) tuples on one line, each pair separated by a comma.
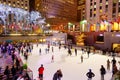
[(82, 50), (103, 72), (113, 61), (114, 70), (69, 52), (40, 51), (75, 51), (88, 52), (57, 75), (108, 64), (81, 59), (52, 58), (59, 47), (52, 49), (90, 74), (41, 69)]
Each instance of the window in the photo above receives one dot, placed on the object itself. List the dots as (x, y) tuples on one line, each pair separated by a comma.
[(100, 7), (94, 15), (90, 4), (4, 0), (106, 6), (90, 14), (100, 1), (9, 1), (94, 3), (94, 9), (114, 10), (114, 4), (118, 9), (119, 3)]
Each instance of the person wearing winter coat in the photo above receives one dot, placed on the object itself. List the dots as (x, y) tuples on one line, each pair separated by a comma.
[(41, 69), (58, 75), (7, 72), (102, 72), (90, 74)]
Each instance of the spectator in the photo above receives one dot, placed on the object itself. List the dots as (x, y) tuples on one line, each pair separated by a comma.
[(13, 70), (7, 72)]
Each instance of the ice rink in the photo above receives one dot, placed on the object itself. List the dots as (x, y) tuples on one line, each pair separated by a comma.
[(71, 66)]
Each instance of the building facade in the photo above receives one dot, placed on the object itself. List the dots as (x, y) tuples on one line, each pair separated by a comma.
[(57, 11), (81, 12), (23, 4), (96, 8)]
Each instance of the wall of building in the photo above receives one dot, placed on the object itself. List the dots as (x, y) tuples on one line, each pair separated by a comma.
[(23, 4), (62, 10)]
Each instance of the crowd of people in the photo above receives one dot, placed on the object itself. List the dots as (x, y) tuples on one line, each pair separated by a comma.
[(17, 70)]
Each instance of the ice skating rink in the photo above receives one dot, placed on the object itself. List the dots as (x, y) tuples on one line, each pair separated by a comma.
[(71, 66)]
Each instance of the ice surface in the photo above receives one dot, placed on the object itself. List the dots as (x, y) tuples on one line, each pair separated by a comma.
[(71, 66)]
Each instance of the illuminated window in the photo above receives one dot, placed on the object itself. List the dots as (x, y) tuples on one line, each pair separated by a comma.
[(91, 7), (26, 7), (94, 6), (13, 5), (100, 11), (94, 12), (9, 4), (18, 1), (100, 4), (119, 0), (106, 3)]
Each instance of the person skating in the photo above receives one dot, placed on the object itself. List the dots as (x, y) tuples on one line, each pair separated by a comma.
[(75, 51), (102, 72), (52, 59), (58, 75), (52, 49), (40, 51), (108, 64), (90, 74), (41, 70), (113, 61), (81, 58)]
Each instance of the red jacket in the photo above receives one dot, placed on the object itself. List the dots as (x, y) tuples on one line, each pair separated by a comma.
[(41, 69)]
